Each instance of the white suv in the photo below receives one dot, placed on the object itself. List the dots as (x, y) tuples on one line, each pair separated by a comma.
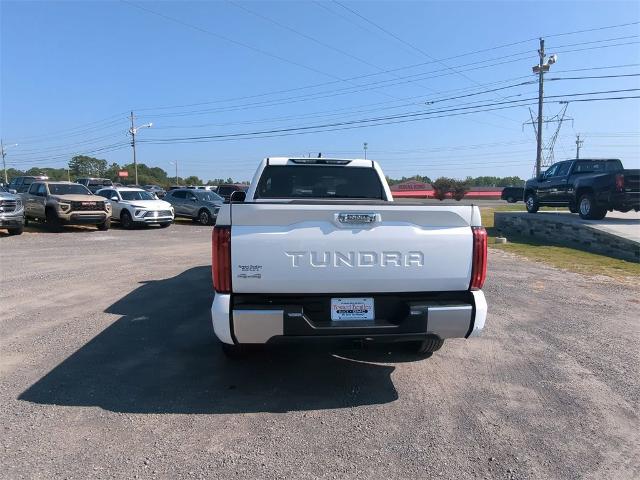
[(131, 206)]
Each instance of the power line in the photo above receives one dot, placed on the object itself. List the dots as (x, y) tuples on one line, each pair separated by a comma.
[(356, 89), (555, 47), (595, 29), (377, 120), (230, 40)]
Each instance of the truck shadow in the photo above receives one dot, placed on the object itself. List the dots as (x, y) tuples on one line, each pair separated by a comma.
[(161, 357)]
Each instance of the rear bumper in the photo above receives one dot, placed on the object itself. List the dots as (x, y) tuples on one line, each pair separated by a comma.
[(270, 323), (625, 201)]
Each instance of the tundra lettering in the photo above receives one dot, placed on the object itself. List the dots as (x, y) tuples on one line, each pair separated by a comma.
[(356, 259)]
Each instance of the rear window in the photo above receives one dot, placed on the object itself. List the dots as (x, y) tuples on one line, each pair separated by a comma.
[(598, 166), (314, 181)]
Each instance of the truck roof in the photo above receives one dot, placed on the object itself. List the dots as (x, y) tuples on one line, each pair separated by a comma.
[(347, 162)]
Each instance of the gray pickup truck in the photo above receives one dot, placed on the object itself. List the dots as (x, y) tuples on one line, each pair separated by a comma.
[(65, 203), (11, 212)]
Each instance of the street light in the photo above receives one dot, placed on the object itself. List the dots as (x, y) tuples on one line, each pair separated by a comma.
[(365, 145), (4, 165), (133, 131)]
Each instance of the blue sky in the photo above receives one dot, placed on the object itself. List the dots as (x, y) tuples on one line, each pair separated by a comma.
[(71, 72)]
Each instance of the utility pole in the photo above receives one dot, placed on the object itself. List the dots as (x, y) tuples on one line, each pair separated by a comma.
[(540, 102), (4, 164), (133, 145), (540, 69), (578, 145), (365, 145), (133, 131), (4, 153)]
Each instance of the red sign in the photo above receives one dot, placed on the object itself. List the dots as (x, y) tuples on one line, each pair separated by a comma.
[(123, 173)]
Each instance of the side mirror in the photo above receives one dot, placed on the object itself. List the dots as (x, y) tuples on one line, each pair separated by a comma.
[(540, 177), (193, 199), (114, 198), (13, 191), (238, 197)]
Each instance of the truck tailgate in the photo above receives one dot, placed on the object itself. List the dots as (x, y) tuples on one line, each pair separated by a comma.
[(347, 248)]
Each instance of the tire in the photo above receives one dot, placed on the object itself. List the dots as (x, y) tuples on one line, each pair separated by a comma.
[(52, 221), (165, 225), (16, 231), (104, 226), (588, 209), (426, 347), (125, 220), (531, 202), (204, 217), (429, 345), (573, 208), (233, 352)]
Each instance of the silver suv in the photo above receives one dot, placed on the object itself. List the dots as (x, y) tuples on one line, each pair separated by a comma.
[(11, 212), (199, 205)]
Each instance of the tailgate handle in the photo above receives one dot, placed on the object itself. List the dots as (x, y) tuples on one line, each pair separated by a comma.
[(356, 218)]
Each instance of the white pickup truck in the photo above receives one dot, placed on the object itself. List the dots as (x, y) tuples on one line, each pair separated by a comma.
[(318, 250)]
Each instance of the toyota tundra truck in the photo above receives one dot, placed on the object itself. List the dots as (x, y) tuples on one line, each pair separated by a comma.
[(316, 249)]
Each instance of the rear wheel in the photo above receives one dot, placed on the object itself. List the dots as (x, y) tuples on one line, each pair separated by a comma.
[(588, 209), (104, 226), (532, 203), (204, 218), (125, 220), (52, 221)]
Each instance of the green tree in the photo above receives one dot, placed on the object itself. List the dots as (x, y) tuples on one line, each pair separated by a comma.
[(442, 187), (459, 189), (192, 180), (84, 166)]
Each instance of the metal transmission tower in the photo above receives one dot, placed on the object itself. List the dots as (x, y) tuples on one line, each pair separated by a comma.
[(547, 148)]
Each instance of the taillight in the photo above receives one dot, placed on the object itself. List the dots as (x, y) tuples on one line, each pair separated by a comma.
[(619, 182), (479, 262), (221, 259)]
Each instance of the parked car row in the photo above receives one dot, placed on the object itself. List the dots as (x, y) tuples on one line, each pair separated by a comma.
[(59, 203)]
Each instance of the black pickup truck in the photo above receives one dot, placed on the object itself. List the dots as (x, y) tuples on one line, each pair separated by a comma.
[(588, 187)]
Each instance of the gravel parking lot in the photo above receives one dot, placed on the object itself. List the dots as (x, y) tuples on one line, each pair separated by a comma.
[(109, 369)]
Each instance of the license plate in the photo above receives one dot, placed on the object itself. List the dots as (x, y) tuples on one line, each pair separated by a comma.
[(351, 309)]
